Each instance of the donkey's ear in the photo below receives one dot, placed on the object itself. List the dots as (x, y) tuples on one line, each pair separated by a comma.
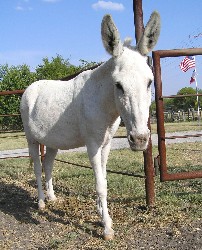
[(150, 35), (111, 37)]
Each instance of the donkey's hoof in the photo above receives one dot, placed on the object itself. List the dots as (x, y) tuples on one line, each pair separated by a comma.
[(41, 205), (52, 198), (109, 235)]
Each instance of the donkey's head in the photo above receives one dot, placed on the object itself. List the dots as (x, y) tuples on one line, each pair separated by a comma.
[(132, 78)]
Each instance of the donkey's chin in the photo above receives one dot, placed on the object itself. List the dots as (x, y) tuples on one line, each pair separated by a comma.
[(135, 147)]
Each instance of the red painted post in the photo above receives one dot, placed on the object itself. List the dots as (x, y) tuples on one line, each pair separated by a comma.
[(42, 152), (138, 19), (149, 173)]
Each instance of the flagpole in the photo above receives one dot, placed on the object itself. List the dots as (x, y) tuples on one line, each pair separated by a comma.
[(187, 63), (197, 98)]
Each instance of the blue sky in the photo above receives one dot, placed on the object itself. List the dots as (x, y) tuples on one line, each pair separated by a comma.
[(34, 29)]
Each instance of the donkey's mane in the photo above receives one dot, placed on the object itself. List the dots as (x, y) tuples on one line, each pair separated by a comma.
[(67, 78), (127, 43)]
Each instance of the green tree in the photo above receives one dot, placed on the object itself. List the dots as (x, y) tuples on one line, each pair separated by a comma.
[(13, 78), (153, 107), (168, 104), (85, 64), (184, 103), (55, 69)]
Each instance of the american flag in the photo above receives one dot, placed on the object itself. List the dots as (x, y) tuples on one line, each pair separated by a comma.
[(187, 63)]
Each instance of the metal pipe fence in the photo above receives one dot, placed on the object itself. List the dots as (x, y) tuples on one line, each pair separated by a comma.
[(161, 159)]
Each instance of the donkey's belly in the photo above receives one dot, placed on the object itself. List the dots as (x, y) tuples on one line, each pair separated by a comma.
[(68, 143), (60, 139), (64, 134)]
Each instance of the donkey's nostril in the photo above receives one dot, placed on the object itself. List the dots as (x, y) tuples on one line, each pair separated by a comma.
[(142, 138), (131, 138)]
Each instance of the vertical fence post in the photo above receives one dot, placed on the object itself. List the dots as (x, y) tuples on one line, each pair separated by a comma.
[(138, 19), (42, 152), (149, 172), (148, 160)]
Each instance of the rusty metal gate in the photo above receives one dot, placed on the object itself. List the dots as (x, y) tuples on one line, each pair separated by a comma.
[(161, 160)]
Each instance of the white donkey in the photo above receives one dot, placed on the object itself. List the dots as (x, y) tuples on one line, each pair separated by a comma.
[(86, 110)]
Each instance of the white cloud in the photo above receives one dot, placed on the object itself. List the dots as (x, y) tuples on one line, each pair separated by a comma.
[(108, 5), (23, 6), (19, 8)]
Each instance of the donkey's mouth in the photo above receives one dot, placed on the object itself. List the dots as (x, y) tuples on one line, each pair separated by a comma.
[(138, 148), (138, 143)]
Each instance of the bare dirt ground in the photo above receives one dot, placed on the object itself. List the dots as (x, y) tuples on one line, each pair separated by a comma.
[(23, 227), (73, 224)]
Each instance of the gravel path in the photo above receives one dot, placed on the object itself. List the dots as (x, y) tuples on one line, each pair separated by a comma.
[(117, 143)]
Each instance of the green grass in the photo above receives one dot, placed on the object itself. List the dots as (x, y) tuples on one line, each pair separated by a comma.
[(74, 217)]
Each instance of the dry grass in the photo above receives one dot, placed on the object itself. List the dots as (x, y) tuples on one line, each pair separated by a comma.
[(178, 126), (12, 141)]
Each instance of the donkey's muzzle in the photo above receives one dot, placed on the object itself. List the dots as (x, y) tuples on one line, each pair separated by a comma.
[(138, 141)]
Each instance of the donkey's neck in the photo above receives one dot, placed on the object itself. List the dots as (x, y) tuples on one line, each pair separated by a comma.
[(103, 82)]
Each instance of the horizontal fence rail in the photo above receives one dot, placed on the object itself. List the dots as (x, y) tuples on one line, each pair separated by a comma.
[(12, 92)]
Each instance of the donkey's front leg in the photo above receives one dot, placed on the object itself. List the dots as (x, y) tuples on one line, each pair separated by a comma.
[(94, 152), (104, 157)]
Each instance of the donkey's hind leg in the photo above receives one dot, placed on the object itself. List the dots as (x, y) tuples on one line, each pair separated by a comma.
[(34, 153), (48, 166)]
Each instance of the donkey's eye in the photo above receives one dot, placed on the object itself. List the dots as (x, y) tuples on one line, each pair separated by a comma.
[(149, 84), (119, 86)]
